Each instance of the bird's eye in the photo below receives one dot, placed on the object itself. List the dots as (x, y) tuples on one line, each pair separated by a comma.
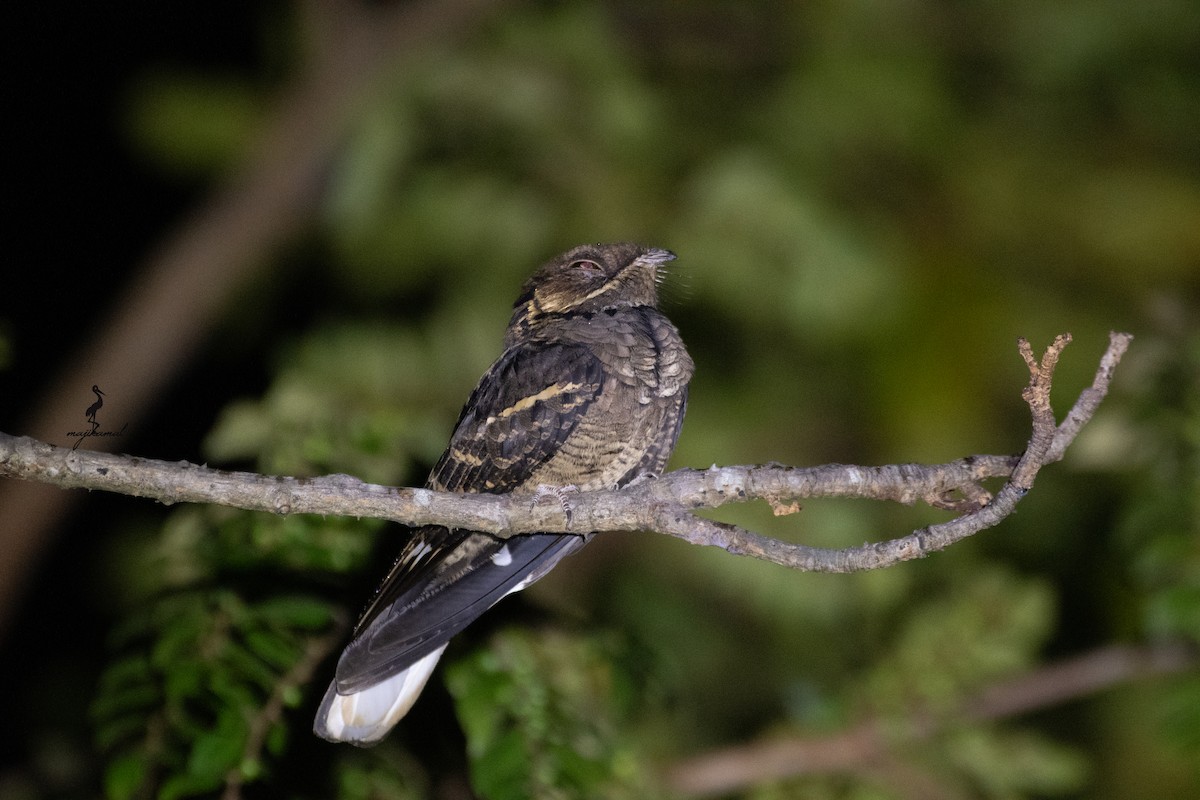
[(589, 270)]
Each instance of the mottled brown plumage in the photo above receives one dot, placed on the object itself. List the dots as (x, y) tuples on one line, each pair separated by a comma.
[(589, 392)]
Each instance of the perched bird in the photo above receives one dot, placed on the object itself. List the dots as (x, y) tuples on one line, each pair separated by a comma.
[(589, 393)]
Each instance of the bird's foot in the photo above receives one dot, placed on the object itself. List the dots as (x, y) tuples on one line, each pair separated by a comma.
[(559, 493)]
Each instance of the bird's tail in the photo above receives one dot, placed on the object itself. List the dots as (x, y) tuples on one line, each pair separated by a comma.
[(364, 717)]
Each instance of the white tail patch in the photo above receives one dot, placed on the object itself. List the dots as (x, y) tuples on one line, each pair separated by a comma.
[(365, 717), (502, 557)]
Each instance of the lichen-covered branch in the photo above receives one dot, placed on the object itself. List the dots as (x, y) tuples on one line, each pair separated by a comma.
[(664, 504)]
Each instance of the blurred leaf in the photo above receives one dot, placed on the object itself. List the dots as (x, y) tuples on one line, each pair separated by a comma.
[(218, 751), (810, 272), (989, 628), (295, 612), (1016, 764), (385, 771), (124, 777), (194, 125), (1181, 716), (183, 714)]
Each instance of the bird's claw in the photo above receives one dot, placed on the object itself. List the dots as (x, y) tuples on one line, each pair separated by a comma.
[(559, 493)]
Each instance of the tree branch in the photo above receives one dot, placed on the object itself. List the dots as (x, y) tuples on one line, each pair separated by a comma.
[(664, 505)]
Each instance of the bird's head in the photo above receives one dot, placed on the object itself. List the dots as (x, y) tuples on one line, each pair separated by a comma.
[(592, 278)]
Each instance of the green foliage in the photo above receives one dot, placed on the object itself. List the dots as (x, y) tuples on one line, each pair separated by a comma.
[(950, 648), (1006, 764), (199, 690), (203, 678), (385, 771), (952, 645), (1162, 529), (542, 714)]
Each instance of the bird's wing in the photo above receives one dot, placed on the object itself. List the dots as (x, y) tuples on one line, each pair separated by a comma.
[(519, 415)]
